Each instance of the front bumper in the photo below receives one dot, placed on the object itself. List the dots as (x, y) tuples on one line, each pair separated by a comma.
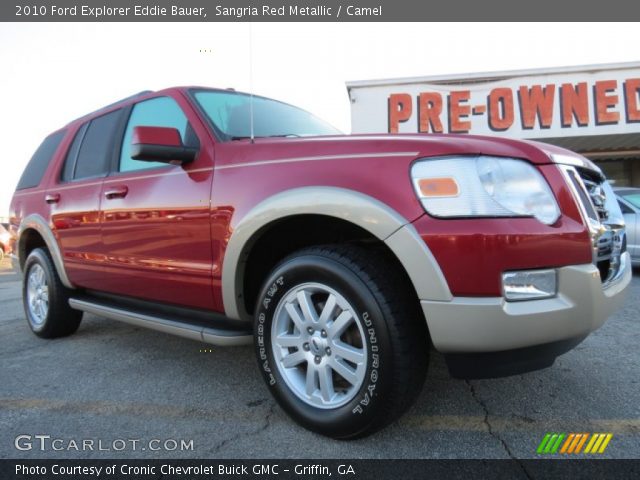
[(491, 324)]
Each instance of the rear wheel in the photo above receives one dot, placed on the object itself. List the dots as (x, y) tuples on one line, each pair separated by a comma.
[(46, 300), (340, 340), (1, 252)]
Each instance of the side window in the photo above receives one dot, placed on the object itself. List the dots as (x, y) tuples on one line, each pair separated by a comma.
[(72, 155), (96, 147), (34, 171), (157, 112)]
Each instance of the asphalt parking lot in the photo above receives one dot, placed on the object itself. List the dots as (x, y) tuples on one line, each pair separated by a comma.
[(111, 381)]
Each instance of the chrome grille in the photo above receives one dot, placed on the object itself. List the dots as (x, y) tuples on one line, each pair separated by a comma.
[(603, 217), (598, 197)]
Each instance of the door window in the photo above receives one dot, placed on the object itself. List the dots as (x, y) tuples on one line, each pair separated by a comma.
[(72, 155), (157, 112), (91, 152)]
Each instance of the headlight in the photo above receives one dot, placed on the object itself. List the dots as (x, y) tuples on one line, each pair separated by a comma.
[(483, 187)]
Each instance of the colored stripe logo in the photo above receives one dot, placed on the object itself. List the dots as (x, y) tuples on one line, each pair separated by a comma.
[(573, 443)]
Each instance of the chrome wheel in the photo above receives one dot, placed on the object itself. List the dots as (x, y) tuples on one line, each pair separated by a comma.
[(37, 294), (317, 343)]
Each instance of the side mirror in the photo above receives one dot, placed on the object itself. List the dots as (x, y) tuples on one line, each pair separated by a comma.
[(160, 144)]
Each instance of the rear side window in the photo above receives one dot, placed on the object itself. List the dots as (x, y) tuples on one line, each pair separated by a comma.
[(96, 147), (33, 173)]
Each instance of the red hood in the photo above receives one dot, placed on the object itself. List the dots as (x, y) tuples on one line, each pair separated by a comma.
[(426, 145)]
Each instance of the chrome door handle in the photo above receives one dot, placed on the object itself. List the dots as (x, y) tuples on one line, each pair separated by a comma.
[(116, 192), (52, 198)]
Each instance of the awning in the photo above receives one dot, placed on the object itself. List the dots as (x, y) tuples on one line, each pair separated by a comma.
[(600, 147)]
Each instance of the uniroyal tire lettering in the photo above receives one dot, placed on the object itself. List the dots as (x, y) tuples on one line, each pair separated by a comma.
[(262, 351), (372, 335), (273, 289), (375, 363)]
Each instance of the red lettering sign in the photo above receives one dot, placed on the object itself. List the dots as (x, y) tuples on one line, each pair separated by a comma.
[(631, 92), (604, 102), (536, 102), (580, 104), (574, 103), (500, 109), (400, 108), (429, 111), (459, 110)]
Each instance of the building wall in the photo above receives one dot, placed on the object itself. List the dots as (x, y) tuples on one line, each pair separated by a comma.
[(622, 172)]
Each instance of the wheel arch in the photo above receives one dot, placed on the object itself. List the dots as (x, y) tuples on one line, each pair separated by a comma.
[(352, 208), (35, 232)]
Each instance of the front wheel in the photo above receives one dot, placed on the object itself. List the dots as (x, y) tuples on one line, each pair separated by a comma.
[(340, 340)]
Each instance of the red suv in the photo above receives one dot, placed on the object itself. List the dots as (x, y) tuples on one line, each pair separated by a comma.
[(226, 218)]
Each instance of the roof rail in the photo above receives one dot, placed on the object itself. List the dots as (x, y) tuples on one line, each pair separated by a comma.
[(111, 105)]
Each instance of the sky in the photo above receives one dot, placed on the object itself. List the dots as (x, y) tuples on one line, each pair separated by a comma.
[(52, 73)]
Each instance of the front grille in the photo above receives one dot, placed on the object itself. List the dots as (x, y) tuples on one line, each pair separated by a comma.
[(607, 234), (583, 195), (597, 195)]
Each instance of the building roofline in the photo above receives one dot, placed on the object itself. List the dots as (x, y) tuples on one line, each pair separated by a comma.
[(461, 78)]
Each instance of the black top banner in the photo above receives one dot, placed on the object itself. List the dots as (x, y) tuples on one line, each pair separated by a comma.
[(318, 11)]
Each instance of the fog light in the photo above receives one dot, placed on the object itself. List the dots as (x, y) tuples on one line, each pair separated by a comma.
[(529, 284)]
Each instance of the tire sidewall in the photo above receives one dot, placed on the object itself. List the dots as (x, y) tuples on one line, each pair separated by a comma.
[(38, 257), (361, 411)]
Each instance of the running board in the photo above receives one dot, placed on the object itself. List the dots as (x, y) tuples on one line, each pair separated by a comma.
[(223, 338)]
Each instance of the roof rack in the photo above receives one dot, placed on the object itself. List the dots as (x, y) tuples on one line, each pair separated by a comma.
[(114, 104)]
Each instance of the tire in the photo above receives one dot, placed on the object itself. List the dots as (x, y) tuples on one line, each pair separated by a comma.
[(45, 299), (1, 252), (341, 391)]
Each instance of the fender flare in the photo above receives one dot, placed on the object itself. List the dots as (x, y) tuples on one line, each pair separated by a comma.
[(40, 225), (362, 210)]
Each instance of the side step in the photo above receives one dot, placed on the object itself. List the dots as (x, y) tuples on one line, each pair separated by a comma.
[(181, 328)]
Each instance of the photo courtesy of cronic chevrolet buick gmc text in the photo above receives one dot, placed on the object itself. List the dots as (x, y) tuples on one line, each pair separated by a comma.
[(344, 258)]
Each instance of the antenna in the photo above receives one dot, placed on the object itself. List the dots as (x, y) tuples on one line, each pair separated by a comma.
[(251, 80)]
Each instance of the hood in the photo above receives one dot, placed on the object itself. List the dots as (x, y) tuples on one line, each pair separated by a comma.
[(418, 146)]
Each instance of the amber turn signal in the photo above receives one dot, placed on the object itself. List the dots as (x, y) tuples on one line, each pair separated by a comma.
[(438, 187)]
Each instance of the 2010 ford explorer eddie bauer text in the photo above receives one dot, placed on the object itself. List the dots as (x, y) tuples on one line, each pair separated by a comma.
[(343, 257)]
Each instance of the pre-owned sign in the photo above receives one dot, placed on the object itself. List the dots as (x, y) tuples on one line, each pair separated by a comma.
[(536, 106)]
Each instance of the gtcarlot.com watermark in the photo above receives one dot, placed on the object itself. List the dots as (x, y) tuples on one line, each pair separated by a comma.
[(47, 443)]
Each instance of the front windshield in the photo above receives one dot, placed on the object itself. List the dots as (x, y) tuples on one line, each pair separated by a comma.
[(230, 113), (633, 198)]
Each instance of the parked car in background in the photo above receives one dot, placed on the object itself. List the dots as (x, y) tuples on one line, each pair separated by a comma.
[(5, 236), (629, 201)]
